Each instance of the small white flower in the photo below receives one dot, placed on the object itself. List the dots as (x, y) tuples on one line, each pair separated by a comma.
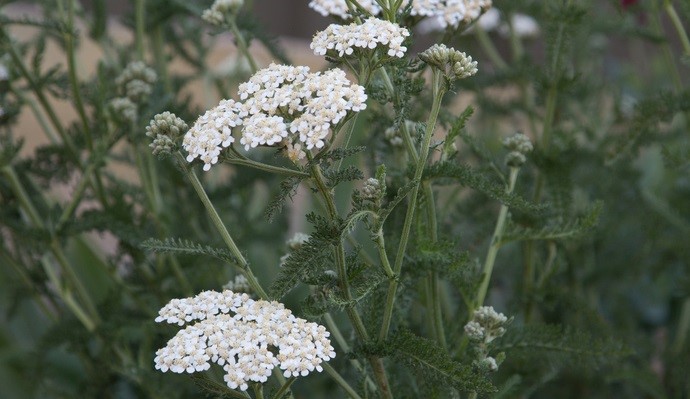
[(136, 81), (242, 335), (212, 132), (339, 8), (372, 33), (220, 8)]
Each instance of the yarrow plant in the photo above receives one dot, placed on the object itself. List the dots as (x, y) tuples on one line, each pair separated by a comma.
[(449, 198), (239, 333)]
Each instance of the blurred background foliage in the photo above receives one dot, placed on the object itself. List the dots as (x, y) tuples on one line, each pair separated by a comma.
[(600, 311)]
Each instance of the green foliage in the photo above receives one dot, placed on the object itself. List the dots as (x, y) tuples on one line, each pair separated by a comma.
[(442, 172), (181, 246), (564, 230), (433, 365)]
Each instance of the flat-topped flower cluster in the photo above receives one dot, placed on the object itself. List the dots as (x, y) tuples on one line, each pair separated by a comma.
[(280, 103), (249, 338), (447, 13), (372, 33)]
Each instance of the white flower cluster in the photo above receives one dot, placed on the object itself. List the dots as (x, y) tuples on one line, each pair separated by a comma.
[(248, 338), (220, 8), (339, 8), (279, 104), (372, 33), (453, 63), (212, 132), (486, 325), (136, 81), (238, 284), (519, 145), (445, 13), (282, 100)]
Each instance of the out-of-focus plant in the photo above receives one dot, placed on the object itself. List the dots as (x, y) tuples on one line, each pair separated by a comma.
[(558, 198)]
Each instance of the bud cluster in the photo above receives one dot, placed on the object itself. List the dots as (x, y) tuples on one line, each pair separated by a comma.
[(452, 63), (486, 325), (519, 145), (165, 129)]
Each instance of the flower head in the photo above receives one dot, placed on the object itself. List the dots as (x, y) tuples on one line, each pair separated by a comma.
[(220, 9), (453, 63), (343, 40), (248, 338), (519, 145), (444, 13), (212, 132), (340, 9), (136, 81)]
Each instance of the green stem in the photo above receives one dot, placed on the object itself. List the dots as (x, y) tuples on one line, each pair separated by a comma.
[(495, 243), (284, 388), (438, 91), (340, 380), (683, 327), (238, 159), (258, 390), (72, 70), (340, 339), (489, 48), (22, 196), (383, 257), (242, 45), (344, 284), (678, 25), (139, 28), (218, 223), (26, 279), (16, 58)]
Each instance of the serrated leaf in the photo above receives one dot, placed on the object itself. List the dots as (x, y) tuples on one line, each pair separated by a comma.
[(433, 363), (188, 247), (569, 229), (468, 177)]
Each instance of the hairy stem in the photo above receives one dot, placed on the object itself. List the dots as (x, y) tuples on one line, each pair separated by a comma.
[(242, 45), (218, 223), (495, 243), (438, 91)]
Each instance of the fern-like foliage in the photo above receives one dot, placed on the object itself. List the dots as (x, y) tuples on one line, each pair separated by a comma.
[(287, 191), (187, 247), (569, 229), (433, 364), (445, 172), (566, 346)]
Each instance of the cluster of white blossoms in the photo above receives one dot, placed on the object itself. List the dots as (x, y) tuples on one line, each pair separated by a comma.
[(249, 338), (519, 145), (279, 104), (445, 13), (372, 33), (220, 9), (486, 325), (453, 63), (339, 8), (212, 132)]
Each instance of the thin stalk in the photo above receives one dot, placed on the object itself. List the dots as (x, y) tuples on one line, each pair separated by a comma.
[(47, 129), (22, 196), (344, 284), (239, 159), (678, 25), (438, 92), (158, 45), (258, 390), (24, 277), (683, 327), (16, 58), (489, 48), (340, 380), (218, 223), (139, 28), (284, 388), (71, 275), (383, 257), (495, 243), (340, 339), (242, 45), (433, 287), (72, 71), (77, 196)]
